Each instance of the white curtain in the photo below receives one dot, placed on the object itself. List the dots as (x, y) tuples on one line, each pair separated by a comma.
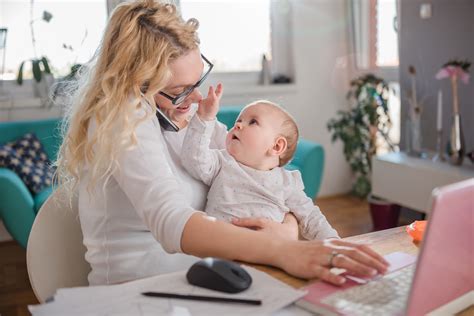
[(282, 37), (360, 10)]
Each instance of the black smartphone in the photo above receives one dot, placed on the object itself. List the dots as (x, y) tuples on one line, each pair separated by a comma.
[(165, 122)]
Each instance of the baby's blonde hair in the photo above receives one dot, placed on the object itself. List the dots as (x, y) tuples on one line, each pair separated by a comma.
[(288, 129), (140, 41)]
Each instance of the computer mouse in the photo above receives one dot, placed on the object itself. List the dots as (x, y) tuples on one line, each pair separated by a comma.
[(219, 275)]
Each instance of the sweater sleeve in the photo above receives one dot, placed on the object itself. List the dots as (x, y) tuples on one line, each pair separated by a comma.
[(197, 158), (219, 136), (312, 223), (146, 178)]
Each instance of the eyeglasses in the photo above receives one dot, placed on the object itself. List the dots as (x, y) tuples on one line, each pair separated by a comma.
[(177, 100)]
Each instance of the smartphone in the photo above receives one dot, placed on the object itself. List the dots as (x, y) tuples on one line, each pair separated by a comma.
[(165, 122)]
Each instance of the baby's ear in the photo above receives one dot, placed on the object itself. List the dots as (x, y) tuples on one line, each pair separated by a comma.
[(280, 146)]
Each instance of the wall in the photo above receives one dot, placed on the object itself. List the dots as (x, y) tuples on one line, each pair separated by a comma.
[(322, 66), (428, 44), (321, 50)]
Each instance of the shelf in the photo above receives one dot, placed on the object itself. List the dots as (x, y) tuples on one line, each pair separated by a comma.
[(409, 181)]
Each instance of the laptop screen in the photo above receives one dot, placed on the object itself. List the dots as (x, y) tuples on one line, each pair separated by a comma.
[(445, 268)]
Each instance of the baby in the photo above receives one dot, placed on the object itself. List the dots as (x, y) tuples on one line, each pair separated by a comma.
[(247, 178)]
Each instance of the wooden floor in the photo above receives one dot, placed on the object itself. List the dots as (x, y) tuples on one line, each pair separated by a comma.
[(347, 214), (15, 288)]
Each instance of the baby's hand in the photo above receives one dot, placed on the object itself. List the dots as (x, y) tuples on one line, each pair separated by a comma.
[(209, 106)]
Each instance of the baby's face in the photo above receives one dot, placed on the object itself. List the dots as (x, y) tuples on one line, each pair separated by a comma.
[(254, 134)]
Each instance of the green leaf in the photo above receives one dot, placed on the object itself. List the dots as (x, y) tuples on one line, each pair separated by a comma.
[(47, 16), (19, 78), (36, 70), (46, 65)]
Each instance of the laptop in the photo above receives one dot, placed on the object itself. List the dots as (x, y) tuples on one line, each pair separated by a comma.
[(440, 282)]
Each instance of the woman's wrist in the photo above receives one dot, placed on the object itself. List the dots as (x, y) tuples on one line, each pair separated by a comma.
[(281, 254), (277, 252)]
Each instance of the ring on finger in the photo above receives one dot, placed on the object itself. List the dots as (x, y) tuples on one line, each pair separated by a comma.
[(333, 254)]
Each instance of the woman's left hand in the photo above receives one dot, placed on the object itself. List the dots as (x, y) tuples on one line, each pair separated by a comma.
[(288, 229)]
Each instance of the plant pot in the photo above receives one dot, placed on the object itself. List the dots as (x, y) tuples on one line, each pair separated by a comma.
[(42, 88), (384, 214)]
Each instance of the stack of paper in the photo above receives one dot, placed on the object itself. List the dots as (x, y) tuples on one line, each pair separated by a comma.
[(126, 298)]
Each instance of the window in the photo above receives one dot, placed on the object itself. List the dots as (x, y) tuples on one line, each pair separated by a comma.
[(234, 34), (375, 43), (71, 36), (375, 35), (386, 43)]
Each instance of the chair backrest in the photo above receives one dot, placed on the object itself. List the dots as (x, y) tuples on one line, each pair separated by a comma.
[(55, 252)]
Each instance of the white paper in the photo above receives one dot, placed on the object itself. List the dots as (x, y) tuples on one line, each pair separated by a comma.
[(125, 299)]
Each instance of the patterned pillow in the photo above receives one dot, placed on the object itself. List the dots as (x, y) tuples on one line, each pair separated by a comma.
[(27, 158)]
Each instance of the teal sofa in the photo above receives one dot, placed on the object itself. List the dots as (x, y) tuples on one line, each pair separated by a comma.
[(18, 207)]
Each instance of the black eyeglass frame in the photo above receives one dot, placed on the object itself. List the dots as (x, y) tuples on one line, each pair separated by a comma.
[(177, 100)]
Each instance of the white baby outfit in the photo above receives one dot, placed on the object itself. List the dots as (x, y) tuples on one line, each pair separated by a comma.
[(240, 191)]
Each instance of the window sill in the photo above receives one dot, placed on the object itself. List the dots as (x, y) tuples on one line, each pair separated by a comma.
[(238, 84), (260, 90)]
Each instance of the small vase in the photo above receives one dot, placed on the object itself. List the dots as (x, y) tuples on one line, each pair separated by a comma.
[(456, 147), (414, 140), (265, 75)]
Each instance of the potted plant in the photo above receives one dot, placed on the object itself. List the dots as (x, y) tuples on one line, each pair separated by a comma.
[(364, 129), (43, 78)]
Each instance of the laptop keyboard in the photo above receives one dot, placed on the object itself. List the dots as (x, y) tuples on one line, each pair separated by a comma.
[(384, 296)]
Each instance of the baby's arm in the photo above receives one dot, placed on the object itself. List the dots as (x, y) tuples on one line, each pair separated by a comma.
[(313, 224), (198, 159)]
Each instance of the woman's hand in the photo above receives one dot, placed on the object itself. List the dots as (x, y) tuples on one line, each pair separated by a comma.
[(209, 106), (310, 259), (288, 229)]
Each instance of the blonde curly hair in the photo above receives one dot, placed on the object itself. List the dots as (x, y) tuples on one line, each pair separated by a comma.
[(140, 41)]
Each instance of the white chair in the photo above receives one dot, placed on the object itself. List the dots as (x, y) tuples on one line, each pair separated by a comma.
[(55, 252)]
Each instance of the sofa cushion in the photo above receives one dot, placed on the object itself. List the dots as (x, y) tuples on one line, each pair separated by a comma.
[(27, 158)]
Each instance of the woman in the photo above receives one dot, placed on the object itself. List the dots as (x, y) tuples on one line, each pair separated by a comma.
[(134, 197)]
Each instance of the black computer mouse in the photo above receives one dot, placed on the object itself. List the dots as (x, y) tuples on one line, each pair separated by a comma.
[(220, 275)]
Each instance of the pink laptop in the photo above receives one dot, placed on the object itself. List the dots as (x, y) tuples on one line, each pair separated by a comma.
[(444, 270)]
